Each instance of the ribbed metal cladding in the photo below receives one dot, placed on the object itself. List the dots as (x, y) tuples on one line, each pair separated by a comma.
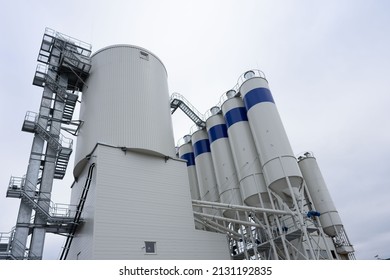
[(126, 103)]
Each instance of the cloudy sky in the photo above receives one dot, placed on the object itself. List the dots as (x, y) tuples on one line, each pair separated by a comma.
[(327, 63)]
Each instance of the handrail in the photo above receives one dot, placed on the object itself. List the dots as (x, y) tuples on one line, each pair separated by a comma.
[(27, 189), (9, 237), (57, 88), (6, 236), (235, 90), (56, 142), (181, 98), (76, 42)]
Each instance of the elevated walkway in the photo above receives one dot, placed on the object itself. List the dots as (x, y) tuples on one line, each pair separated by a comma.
[(178, 101)]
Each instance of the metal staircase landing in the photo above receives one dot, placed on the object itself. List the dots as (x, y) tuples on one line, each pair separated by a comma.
[(61, 214), (71, 55)]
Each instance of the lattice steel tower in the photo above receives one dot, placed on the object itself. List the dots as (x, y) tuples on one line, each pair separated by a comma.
[(64, 66)]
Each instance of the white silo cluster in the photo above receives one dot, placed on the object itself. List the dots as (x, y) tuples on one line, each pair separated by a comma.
[(249, 152)]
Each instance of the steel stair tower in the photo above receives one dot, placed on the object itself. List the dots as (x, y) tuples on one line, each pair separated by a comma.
[(64, 67)]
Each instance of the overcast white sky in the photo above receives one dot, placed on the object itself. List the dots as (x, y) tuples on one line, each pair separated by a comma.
[(327, 63)]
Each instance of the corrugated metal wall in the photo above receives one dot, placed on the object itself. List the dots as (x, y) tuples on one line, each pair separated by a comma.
[(140, 197)]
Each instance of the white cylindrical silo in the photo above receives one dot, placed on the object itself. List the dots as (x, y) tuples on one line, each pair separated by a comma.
[(276, 156), (208, 188), (125, 103), (186, 152), (225, 172), (322, 200), (249, 172)]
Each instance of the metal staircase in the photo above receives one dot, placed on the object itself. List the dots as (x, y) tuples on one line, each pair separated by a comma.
[(178, 101), (19, 187), (59, 218), (71, 54), (57, 141), (69, 107), (62, 74), (8, 242), (69, 97), (62, 163)]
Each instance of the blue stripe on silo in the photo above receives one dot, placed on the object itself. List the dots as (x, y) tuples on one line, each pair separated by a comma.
[(217, 131), (190, 158), (235, 115), (257, 95), (202, 146)]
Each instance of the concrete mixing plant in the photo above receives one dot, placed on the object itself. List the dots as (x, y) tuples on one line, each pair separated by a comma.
[(231, 189)]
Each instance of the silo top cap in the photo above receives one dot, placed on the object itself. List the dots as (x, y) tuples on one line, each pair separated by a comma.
[(133, 47), (231, 93), (249, 74), (187, 138), (214, 110)]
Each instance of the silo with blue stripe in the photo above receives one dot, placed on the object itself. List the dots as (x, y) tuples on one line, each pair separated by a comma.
[(186, 152), (208, 189), (250, 175), (225, 171), (279, 164)]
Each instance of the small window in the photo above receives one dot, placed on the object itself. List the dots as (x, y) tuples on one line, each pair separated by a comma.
[(333, 254), (144, 55), (150, 247)]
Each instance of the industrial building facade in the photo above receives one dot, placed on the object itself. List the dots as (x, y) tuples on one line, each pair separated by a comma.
[(232, 188)]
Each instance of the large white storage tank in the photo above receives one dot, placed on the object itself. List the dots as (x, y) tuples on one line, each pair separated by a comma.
[(225, 171), (125, 69), (323, 203), (208, 188), (276, 156), (244, 153)]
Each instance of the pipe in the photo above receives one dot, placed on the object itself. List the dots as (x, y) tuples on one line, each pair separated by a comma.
[(239, 207), (228, 220)]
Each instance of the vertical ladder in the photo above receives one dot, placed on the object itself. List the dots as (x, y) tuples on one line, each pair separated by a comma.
[(79, 211)]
